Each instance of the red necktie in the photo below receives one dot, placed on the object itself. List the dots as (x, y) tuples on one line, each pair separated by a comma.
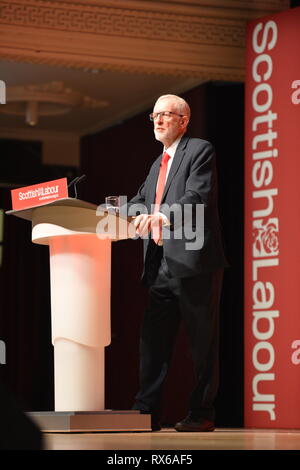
[(156, 233)]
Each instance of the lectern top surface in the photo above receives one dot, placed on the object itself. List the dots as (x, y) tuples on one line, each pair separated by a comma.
[(69, 201)]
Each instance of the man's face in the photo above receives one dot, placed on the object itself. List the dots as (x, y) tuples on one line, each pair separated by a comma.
[(167, 129)]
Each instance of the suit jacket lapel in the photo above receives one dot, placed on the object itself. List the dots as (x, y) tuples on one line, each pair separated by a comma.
[(179, 154), (153, 180)]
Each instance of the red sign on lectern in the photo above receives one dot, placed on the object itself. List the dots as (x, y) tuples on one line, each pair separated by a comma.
[(39, 194), (272, 222)]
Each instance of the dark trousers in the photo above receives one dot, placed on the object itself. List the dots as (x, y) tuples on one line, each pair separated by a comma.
[(195, 301)]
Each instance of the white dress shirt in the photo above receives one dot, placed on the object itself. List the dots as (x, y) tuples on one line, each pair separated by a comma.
[(171, 152)]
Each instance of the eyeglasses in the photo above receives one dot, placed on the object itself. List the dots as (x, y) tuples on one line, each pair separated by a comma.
[(163, 114)]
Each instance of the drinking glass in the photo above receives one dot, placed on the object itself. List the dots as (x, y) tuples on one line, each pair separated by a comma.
[(112, 203)]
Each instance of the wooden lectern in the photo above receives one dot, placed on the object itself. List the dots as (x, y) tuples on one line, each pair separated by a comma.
[(79, 239)]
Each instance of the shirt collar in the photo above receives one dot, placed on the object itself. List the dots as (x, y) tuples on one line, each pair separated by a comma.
[(173, 147)]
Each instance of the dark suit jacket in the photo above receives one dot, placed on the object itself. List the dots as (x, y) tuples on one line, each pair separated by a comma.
[(192, 180)]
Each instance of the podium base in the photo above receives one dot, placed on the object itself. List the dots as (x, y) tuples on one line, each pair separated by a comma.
[(91, 421)]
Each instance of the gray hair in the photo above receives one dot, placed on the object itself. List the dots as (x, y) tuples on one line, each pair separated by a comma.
[(181, 105)]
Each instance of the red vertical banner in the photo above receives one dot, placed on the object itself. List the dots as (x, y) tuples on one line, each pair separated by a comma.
[(272, 222)]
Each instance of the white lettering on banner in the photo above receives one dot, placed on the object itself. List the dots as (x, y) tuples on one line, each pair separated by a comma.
[(296, 354), (42, 193), (296, 95), (265, 248)]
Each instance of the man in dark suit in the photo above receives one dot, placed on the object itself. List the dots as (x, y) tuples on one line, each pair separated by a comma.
[(183, 263)]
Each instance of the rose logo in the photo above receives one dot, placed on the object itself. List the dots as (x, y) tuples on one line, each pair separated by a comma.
[(266, 241)]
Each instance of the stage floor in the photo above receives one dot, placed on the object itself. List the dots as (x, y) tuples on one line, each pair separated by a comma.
[(169, 439)]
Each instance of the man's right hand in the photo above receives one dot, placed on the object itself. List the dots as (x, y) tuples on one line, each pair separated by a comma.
[(144, 223)]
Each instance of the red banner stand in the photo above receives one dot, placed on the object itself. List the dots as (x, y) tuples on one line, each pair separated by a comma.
[(272, 222)]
